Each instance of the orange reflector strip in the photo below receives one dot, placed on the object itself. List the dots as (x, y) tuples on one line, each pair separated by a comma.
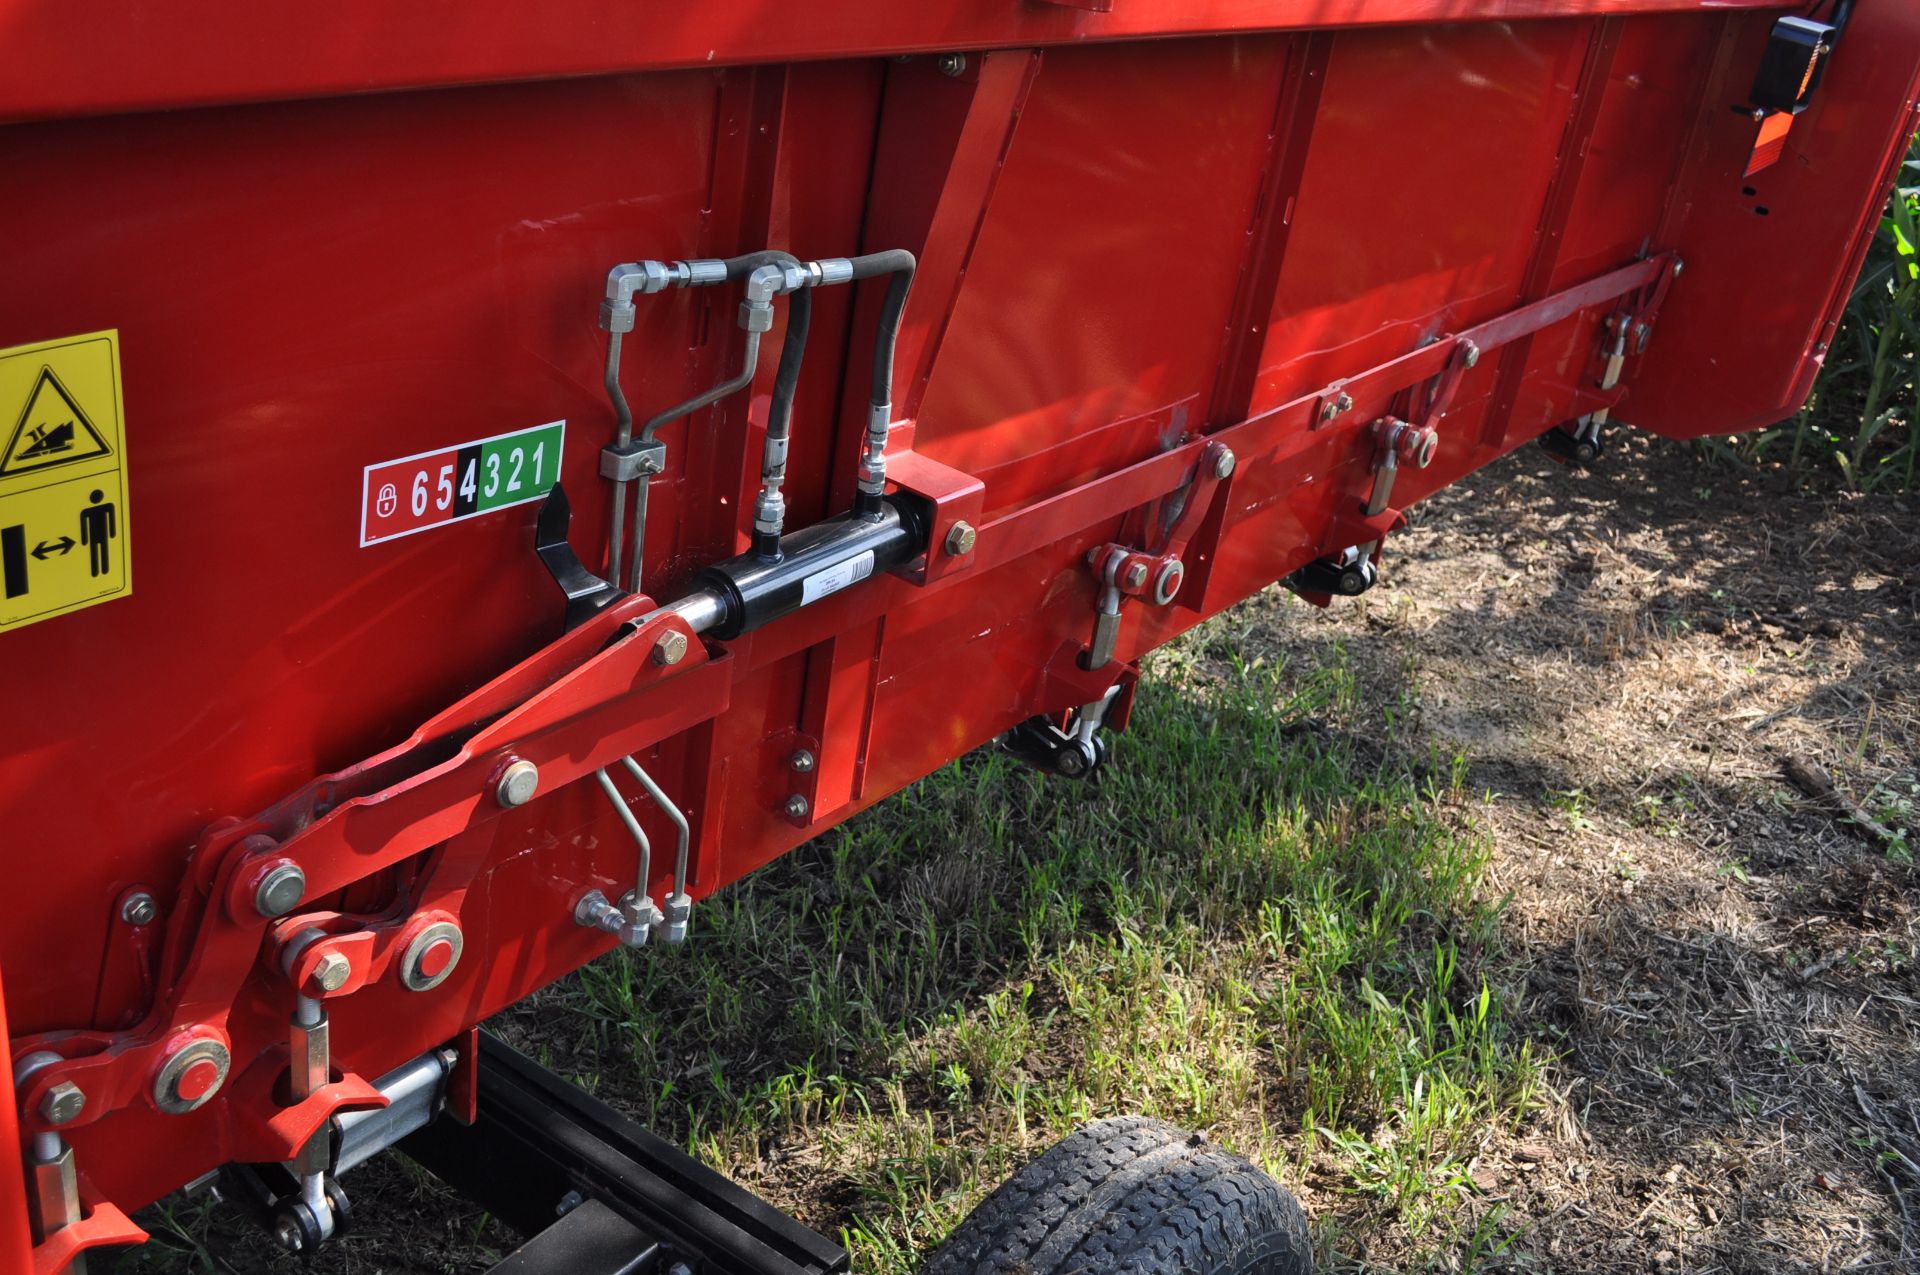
[(1771, 143)]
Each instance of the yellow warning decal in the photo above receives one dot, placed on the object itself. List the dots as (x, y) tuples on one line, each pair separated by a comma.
[(63, 487)]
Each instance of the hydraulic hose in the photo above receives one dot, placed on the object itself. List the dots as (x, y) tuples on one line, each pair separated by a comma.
[(770, 510), (898, 263)]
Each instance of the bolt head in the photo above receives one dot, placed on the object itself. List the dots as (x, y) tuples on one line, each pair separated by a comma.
[(1136, 575), (280, 890), (518, 782), (1223, 463), (960, 540), (286, 1232), (139, 909), (62, 1103), (671, 648), (802, 761), (330, 972), (798, 807), (1472, 355)]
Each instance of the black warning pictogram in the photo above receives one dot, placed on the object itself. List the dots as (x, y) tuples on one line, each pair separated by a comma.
[(52, 430)]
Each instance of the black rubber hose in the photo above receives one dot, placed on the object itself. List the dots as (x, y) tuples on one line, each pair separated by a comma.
[(899, 263), (792, 351)]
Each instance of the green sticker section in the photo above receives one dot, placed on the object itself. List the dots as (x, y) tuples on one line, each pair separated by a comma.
[(519, 466)]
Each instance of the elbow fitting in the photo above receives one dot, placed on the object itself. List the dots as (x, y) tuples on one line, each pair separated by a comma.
[(763, 285), (624, 282)]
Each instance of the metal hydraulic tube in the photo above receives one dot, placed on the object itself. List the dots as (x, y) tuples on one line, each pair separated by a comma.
[(629, 461)]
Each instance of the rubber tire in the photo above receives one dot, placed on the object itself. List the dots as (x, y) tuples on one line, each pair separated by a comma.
[(1134, 1197)]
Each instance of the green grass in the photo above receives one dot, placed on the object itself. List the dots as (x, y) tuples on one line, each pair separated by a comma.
[(1245, 926)]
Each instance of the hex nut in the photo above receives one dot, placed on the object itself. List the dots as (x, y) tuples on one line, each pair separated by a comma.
[(798, 807), (519, 780), (280, 890), (960, 540), (331, 971), (671, 648), (1136, 575), (952, 64), (139, 909), (802, 761), (62, 1103), (1223, 463)]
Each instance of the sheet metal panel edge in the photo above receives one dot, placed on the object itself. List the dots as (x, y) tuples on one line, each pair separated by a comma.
[(83, 57)]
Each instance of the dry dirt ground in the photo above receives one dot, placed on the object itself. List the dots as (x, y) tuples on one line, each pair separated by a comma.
[(1721, 966), (1725, 967)]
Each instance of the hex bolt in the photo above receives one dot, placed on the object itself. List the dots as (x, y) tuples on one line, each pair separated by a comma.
[(797, 807), (952, 64), (280, 890), (139, 909), (62, 1103), (1223, 463), (671, 648), (960, 538), (331, 972), (1136, 575), (801, 761), (518, 782)]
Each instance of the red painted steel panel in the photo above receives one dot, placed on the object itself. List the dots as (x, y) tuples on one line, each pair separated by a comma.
[(1122, 245)]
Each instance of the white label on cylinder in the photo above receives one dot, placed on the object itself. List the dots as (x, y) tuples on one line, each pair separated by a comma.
[(833, 579)]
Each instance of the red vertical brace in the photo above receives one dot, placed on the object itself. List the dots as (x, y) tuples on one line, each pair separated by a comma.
[(1557, 211), (741, 217), (936, 210), (1288, 141)]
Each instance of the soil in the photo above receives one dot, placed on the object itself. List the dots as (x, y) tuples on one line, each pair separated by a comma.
[(1725, 966)]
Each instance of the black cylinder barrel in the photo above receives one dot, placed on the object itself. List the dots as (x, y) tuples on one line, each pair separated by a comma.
[(813, 564)]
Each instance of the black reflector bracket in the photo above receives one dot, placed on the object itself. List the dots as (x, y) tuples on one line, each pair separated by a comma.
[(1791, 68)]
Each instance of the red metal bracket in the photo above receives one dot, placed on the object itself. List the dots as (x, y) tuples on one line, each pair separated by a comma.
[(103, 1226)]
